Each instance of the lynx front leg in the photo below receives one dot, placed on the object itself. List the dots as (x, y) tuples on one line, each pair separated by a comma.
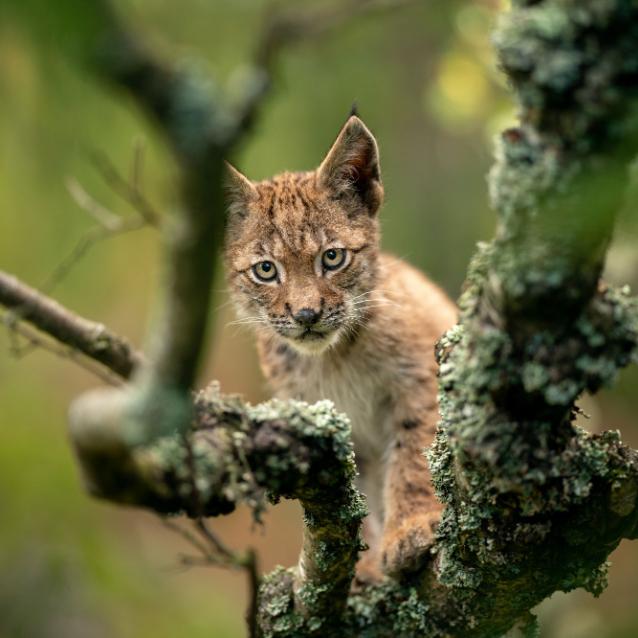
[(412, 511), (370, 482)]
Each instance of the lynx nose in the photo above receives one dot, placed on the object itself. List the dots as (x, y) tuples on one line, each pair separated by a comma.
[(307, 317)]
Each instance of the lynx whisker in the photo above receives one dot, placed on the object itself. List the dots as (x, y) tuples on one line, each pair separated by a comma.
[(247, 321)]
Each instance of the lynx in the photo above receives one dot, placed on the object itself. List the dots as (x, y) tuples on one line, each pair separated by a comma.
[(337, 319)]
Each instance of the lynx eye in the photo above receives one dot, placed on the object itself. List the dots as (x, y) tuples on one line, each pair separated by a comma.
[(265, 271), (333, 258)]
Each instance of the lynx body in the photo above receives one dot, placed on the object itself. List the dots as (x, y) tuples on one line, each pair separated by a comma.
[(337, 319)]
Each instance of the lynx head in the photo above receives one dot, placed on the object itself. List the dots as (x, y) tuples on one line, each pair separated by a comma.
[(301, 248)]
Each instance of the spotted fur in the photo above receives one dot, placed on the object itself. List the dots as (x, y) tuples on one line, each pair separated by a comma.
[(361, 335)]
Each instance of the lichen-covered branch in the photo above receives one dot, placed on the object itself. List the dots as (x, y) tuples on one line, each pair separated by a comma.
[(238, 453), (532, 500)]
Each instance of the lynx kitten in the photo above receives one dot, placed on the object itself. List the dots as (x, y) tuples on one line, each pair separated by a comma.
[(338, 319)]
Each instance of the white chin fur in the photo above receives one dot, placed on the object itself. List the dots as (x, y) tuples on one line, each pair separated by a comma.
[(314, 346)]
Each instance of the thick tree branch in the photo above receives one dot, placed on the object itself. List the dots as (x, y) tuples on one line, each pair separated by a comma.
[(188, 116), (237, 453), (520, 481)]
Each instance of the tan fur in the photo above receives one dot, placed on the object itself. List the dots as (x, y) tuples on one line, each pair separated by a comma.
[(371, 351)]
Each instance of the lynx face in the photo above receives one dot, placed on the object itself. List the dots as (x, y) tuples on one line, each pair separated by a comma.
[(301, 248)]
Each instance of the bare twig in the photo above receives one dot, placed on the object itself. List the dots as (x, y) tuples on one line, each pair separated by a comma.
[(216, 554), (110, 224), (91, 339), (215, 551), (137, 164), (305, 22), (101, 214), (129, 191), (85, 243), (254, 582), (185, 534), (199, 561), (34, 341), (215, 542), (248, 561)]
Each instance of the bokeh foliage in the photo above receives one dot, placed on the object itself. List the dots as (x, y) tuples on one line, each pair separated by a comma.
[(425, 82)]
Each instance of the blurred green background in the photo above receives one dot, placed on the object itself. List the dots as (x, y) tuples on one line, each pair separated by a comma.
[(426, 83)]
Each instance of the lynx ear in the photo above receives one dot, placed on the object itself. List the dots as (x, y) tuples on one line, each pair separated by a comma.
[(239, 191), (352, 165)]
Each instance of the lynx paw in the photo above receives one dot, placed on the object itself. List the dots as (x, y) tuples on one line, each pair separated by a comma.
[(406, 548), (367, 571)]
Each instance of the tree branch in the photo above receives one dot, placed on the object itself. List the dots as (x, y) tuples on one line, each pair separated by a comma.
[(91, 339), (283, 29), (240, 454), (23, 339), (520, 481)]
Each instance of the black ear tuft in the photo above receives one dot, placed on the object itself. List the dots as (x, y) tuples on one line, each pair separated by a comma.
[(354, 110)]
